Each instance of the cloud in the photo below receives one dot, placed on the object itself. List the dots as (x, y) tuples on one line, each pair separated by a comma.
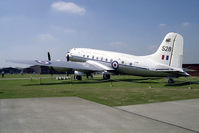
[(185, 24), (46, 37), (68, 7), (117, 44), (162, 25)]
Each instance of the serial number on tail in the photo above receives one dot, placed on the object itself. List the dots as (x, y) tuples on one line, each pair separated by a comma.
[(166, 48)]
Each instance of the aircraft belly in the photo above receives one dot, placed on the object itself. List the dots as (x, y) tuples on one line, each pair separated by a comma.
[(140, 72), (61, 69)]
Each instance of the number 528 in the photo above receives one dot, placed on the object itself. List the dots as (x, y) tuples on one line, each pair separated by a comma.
[(166, 48)]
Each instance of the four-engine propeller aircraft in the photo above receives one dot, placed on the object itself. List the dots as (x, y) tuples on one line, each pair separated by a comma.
[(165, 62)]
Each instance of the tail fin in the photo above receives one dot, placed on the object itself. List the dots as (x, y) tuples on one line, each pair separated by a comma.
[(170, 51)]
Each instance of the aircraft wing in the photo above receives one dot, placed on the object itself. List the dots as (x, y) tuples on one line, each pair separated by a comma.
[(80, 66), (188, 70)]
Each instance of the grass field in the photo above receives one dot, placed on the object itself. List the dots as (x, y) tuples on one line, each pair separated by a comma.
[(123, 90)]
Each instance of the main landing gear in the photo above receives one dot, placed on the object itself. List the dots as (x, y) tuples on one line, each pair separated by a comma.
[(87, 76), (106, 76), (77, 77), (171, 81)]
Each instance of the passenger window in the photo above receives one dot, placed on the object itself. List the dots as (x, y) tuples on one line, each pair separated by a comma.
[(87, 56), (122, 62), (130, 64)]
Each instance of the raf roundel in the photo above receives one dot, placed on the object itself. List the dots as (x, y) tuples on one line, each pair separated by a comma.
[(43, 62), (115, 65)]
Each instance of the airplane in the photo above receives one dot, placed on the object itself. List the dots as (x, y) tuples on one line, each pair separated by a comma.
[(165, 62)]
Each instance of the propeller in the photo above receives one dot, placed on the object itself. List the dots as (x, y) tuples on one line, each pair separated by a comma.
[(67, 56), (49, 58), (51, 68)]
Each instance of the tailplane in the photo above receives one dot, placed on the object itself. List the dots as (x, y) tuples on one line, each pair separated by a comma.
[(170, 51)]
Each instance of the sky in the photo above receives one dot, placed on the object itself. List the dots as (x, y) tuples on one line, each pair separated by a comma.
[(31, 28)]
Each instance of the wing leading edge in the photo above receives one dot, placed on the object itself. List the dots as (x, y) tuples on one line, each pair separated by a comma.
[(80, 66)]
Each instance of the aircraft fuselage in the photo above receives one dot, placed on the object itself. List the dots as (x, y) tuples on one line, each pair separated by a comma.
[(121, 63)]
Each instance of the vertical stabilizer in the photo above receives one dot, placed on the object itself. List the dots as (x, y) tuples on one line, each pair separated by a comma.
[(170, 51)]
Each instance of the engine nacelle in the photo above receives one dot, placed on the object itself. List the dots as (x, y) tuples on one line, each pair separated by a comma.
[(79, 73)]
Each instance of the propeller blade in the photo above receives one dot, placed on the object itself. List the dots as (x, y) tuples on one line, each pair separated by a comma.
[(67, 56), (49, 58), (50, 68)]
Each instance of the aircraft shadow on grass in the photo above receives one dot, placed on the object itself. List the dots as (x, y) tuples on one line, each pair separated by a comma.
[(65, 83), (139, 80), (182, 83)]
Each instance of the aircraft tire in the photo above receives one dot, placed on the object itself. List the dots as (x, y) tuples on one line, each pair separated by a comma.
[(77, 77), (170, 81), (106, 76)]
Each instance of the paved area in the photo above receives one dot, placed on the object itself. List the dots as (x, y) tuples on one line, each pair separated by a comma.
[(183, 113), (74, 115)]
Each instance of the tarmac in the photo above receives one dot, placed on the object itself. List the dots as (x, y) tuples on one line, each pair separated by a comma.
[(76, 115), (184, 114)]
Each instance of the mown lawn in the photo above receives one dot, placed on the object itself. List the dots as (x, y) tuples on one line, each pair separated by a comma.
[(122, 90)]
